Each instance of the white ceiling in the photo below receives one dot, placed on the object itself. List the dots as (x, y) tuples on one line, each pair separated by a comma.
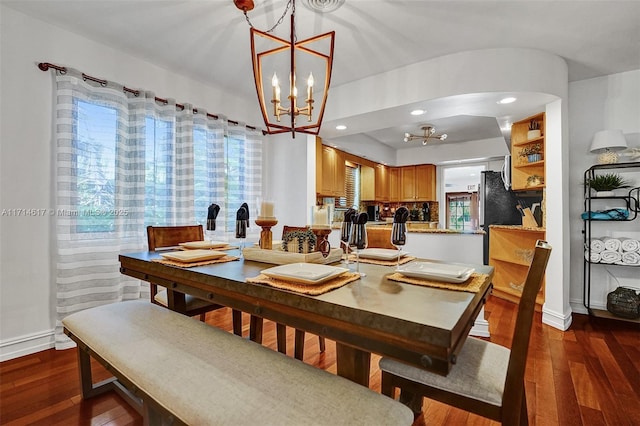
[(209, 40)]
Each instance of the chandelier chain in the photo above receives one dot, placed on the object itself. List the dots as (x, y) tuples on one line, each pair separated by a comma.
[(290, 5)]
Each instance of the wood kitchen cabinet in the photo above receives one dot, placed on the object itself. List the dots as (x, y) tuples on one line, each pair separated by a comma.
[(330, 171), (394, 184), (367, 183), (382, 182), (527, 171), (418, 183), (511, 250)]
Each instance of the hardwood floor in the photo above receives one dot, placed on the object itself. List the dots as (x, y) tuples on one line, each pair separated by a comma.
[(588, 375)]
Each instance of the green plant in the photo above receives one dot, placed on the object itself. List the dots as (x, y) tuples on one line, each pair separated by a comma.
[(607, 182), (534, 125), (535, 148)]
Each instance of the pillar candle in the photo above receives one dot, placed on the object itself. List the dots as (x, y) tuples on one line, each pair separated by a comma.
[(320, 217), (266, 209)]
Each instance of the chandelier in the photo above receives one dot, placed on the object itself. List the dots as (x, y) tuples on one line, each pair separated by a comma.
[(429, 133), (270, 55)]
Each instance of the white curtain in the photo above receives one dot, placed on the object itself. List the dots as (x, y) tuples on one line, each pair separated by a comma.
[(123, 162)]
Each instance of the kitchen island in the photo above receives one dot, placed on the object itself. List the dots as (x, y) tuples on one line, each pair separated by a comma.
[(432, 243)]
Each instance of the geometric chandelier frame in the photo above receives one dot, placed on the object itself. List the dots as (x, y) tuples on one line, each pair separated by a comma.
[(303, 119)]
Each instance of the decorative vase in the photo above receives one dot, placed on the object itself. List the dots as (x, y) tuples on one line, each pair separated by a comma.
[(605, 194), (532, 158), (533, 134)]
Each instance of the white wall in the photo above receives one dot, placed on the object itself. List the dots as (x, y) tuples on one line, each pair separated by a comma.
[(27, 286), (610, 102)]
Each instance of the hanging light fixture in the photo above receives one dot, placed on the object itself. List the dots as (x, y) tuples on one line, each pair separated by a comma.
[(429, 133), (270, 55)]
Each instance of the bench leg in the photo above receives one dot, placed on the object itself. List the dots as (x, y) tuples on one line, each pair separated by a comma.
[(87, 388)]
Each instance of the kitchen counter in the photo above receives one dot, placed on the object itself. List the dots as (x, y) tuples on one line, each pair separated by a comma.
[(517, 227), (418, 228)]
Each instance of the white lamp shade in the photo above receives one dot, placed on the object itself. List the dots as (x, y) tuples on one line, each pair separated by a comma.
[(608, 140)]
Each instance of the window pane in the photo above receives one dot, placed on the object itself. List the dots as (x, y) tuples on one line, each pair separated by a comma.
[(235, 180), (159, 174), (96, 159)]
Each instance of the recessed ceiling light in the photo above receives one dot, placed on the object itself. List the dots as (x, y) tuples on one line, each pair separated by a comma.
[(418, 112), (341, 127), (507, 100)]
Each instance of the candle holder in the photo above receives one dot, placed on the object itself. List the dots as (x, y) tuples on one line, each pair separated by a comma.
[(322, 238), (266, 236)]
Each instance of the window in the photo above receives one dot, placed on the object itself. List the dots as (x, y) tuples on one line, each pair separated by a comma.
[(461, 211), (352, 187), (95, 162)]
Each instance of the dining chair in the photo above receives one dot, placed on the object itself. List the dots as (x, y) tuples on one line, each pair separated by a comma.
[(162, 237), (486, 379), (379, 237)]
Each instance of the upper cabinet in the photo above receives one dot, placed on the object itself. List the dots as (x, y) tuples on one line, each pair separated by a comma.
[(382, 182), (394, 184), (528, 153), (330, 171), (367, 183), (418, 183)]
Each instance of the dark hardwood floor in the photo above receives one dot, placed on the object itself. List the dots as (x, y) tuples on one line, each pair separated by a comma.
[(588, 375)]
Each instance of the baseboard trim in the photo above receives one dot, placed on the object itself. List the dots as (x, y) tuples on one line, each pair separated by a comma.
[(555, 320), (27, 345)]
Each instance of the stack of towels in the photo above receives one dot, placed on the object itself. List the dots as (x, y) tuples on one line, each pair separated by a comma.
[(619, 251)]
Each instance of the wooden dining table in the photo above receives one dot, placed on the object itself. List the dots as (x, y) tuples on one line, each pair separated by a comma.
[(422, 326)]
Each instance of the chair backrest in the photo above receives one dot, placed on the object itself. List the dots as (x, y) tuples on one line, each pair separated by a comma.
[(379, 237), (512, 399), (170, 236)]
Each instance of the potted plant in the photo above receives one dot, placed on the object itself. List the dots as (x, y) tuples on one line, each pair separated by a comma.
[(534, 130), (532, 152), (604, 184)]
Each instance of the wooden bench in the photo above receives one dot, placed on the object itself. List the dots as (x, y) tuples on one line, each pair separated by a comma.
[(175, 370)]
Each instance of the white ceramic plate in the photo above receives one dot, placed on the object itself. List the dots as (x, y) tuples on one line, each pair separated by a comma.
[(381, 254), (437, 271), (304, 273), (204, 244), (189, 256)]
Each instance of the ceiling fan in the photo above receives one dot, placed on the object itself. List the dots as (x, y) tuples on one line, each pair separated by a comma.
[(429, 133)]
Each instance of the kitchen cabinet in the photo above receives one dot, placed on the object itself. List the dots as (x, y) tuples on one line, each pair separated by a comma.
[(418, 183), (367, 183), (528, 153), (623, 200), (381, 183), (511, 251), (394, 184), (330, 171)]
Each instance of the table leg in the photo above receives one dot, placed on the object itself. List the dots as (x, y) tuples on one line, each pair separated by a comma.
[(353, 364), (176, 301)]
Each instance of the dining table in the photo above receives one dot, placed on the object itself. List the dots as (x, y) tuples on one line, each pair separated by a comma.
[(420, 325)]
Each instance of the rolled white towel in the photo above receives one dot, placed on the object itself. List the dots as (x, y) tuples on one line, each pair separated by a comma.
[(630, 258), (597, 245), (629, 244), (610, 256), (612, 244), (593, 258)]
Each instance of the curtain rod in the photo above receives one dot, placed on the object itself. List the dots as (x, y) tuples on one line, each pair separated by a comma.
[(44, 66)]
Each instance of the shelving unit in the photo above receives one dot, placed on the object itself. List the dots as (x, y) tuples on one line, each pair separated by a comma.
[(629, 200), (522, 170), (511, 250)]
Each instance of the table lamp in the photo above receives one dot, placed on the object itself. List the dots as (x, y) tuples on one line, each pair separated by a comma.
[(605, 143)]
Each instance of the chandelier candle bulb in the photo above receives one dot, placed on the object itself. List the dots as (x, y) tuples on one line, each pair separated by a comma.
[(310, 87)]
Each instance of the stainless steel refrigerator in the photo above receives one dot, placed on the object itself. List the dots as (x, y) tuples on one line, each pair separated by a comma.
[(498, 205)]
